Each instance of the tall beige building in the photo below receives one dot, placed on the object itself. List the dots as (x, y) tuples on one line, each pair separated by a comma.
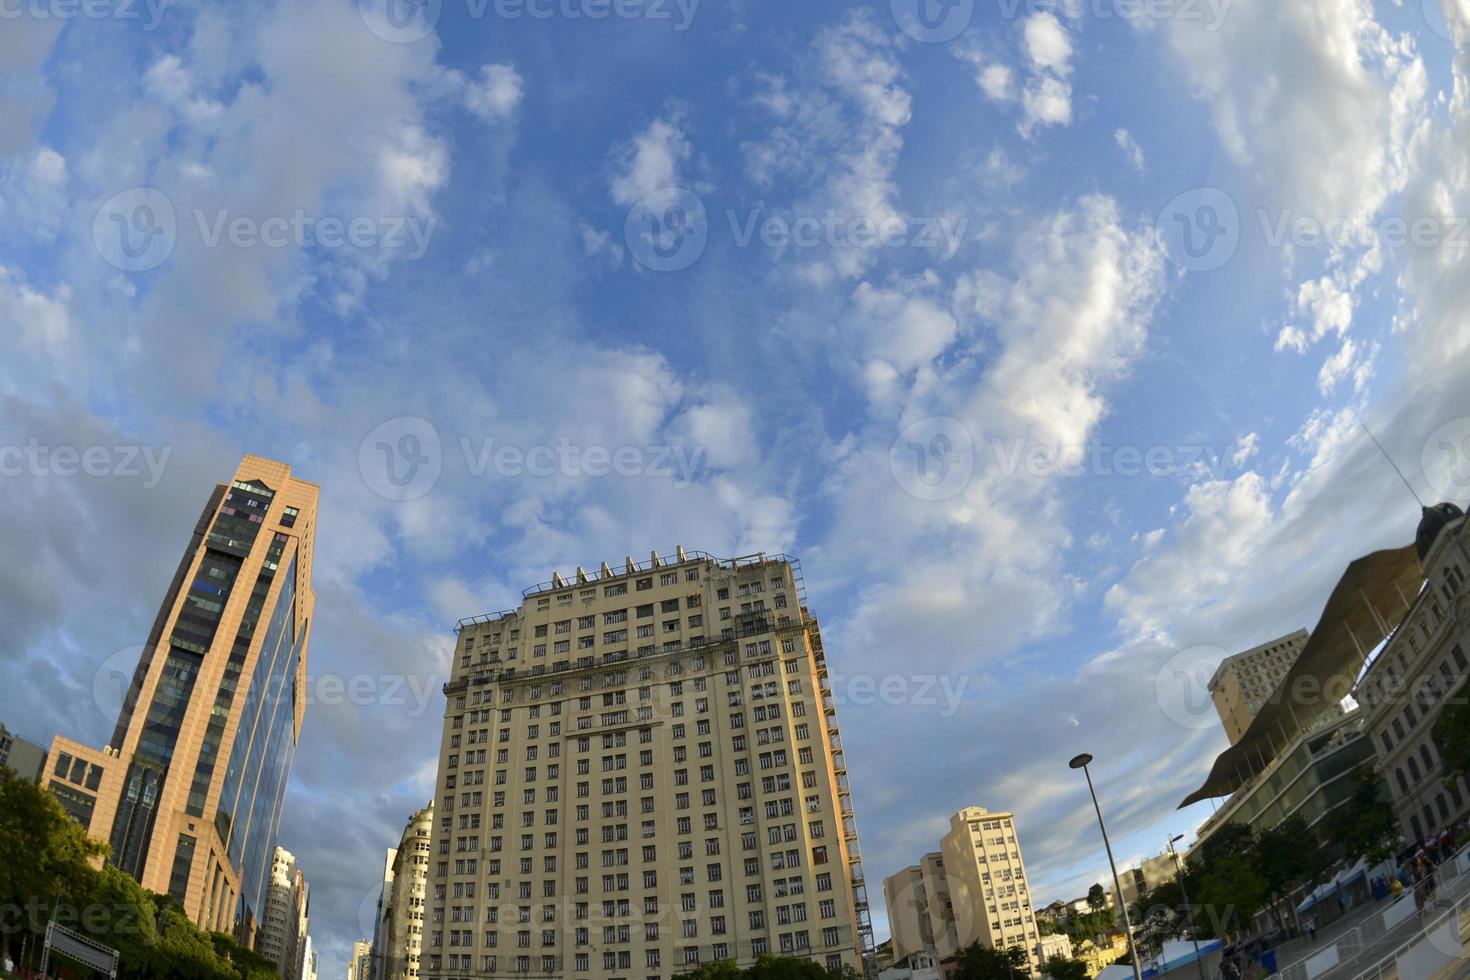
[(640, 771), (973, 889), (360, 967), (1244, 682), (398, 941), (189, 792), (282, 934)]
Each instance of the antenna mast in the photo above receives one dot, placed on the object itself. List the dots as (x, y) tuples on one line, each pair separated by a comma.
[(1391, 462)]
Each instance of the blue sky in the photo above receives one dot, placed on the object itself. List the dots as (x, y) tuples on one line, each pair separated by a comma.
[(1043, 335)]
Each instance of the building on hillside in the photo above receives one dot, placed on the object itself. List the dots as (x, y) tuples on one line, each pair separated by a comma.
[(973, 890), (282, 931), (398, 936), (188, 794), (1053, 947), (645, 764), (21, 756), (1425, 661), (1245, 682), (1100, 953)]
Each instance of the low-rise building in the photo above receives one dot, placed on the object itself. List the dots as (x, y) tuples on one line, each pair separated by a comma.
[(1100, 953), (21, 756), (916, 966), (1056, 946)]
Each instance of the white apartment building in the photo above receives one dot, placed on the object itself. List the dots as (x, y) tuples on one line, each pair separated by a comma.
[(974, 889)]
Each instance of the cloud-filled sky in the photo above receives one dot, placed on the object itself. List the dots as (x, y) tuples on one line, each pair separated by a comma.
[(1043, 333)]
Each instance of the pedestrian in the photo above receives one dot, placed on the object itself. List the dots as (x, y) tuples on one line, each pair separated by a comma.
[(1312, 927)]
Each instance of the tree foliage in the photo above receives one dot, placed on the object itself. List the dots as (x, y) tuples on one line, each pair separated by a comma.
[(977, 962), (1364, 826), (1097, 897), (768, 968), (1065, 969), (46, 875)]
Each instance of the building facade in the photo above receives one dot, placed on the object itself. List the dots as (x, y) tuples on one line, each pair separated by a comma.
[(641, 771), (972, 890), (360, 967), (1149, 875), (189, 792), (282, 933), (1423, 662), (398, 942), (1314, 775), (1243, 682), (21, 756)]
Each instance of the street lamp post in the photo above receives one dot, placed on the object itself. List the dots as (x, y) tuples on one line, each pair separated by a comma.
[(1188, 909), (1081, 762)]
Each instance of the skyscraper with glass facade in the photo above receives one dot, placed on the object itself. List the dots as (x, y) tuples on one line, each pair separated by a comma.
[(189, 792)]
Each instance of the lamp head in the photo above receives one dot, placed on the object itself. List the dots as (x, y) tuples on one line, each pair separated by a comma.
[(1081, 760)]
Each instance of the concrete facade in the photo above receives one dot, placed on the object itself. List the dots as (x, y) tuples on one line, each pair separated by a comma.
[(973, 889), (398, 944), (189, 791), (1243, 682), (641, 770), (1425, 660), (282, 935), (21, 756)]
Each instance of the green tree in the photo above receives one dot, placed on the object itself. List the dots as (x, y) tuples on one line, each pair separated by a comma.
[(1230, 894), (977, 962), (1288, 856), (1065, 969), (1097, 898), (721, 970), (1364, 825)]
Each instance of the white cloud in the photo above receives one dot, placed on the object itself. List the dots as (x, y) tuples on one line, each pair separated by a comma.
[(1245, 449), (496, 94), (650, 162), (1130, 149), (1047, 43)]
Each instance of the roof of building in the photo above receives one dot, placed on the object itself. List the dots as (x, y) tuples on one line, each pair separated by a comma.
[(1364, 607)]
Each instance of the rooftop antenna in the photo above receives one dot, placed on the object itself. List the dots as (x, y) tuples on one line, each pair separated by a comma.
[(1392, 463)]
